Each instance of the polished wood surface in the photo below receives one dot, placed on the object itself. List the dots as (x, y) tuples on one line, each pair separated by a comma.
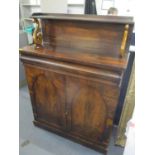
[(76, 57), (75, 76), (48, 95), (89, 107), (93, 38), (85, 18), (102, 39)]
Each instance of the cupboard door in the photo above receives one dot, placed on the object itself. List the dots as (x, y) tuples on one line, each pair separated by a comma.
[(47, 92), (90, 109)]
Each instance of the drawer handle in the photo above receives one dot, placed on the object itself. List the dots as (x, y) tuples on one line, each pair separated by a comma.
[(123, 44)]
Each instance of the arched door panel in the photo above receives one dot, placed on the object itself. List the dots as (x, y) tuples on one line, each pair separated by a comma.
[(88, 109), (48, 95)]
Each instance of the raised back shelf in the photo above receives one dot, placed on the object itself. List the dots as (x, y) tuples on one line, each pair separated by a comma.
[(101, 35)]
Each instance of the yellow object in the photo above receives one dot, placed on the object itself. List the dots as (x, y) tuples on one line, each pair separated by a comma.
[(123, 45), (37, 36), (20, 50), (127, 111)]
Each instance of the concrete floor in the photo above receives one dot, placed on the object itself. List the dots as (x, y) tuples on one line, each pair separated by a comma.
[(36, 141)]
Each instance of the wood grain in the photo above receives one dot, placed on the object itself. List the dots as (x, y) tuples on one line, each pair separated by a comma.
[(48, 94), (75, 76), (89, 108), (102, 39)]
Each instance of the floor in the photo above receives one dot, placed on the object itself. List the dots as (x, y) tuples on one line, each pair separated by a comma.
[(36, 141)]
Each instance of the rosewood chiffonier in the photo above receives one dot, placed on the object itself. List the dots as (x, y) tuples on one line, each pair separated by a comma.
[(74, 71)]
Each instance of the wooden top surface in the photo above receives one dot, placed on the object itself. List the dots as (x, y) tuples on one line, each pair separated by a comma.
[(62, 54), (90, 18)]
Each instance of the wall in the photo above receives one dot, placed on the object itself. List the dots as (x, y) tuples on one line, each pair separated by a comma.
[(75, 6), (54, 6), (125, 7)]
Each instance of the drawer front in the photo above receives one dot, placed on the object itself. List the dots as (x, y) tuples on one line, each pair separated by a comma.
[(111, 77)]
